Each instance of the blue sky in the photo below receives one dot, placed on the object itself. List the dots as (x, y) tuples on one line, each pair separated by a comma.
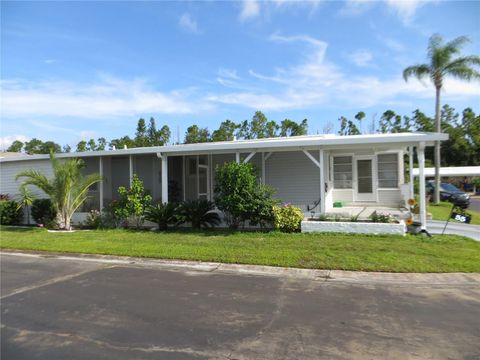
[(75, 70)]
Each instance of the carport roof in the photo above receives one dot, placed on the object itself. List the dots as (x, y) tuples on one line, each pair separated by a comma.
[(269, 144)]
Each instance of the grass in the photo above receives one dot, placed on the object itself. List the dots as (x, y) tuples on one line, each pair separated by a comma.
[(442, 212), (317, 251)]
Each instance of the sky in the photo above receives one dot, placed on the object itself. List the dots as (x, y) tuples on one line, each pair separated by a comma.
[(72, 71)]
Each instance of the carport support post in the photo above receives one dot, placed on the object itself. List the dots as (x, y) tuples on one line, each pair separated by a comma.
[(410, 170), (164, 178), (237, 157), (100, 172), (421, 178), (322, 182)]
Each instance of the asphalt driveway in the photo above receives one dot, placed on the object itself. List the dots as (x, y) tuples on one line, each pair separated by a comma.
[(77, 309)]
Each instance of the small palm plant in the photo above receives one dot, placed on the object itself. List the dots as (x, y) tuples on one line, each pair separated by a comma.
[(162, 214), (25, 200), (68, 189), (200, 213)]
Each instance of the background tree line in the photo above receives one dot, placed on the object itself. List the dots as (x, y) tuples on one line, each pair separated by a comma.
[(462, 148)]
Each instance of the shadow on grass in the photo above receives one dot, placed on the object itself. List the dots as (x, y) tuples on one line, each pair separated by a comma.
[(20, 228)]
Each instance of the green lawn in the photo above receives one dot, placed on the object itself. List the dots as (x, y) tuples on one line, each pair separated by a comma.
[(316, 251), (442, 211)]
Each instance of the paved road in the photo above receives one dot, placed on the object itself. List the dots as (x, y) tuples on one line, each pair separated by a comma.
[(74, 309), (453, 227), (475, 203)]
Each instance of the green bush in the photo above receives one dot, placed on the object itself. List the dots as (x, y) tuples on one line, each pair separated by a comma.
[(377, 217), (10, 212), (94, 219), (240, 196), (287, 218), (200, 213), (133, 202), (162, 214), (43, 212)]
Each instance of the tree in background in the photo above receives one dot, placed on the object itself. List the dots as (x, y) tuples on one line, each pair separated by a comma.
[(66, 148), (16, 146), (157, 137), (101, 144), (292, 128), (226, 131), (442, 63), (360, 116), (122, 142), (195, 135), (348, 127), (33, 146), (91, 145), (81, 146), (141, 139)]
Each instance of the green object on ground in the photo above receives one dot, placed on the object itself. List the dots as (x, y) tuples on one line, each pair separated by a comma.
[(388, 253)]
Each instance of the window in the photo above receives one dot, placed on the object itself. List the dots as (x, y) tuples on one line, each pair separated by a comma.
[(388, 171), (342, 172)]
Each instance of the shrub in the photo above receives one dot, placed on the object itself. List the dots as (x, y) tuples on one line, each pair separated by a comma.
[(261, 207), (10, 212), (200, 213), (239, 195), (94, 219), (380, 217), (133, 202), (288, 218), (43, 212), (162, 214)]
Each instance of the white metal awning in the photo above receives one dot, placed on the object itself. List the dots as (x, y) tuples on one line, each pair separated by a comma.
[(451, 171), (306, 142)]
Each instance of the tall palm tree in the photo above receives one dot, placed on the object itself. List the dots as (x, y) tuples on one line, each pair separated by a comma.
[(68, 189), (442, 63)]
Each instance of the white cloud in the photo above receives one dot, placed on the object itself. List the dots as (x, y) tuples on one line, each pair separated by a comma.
[(106, 98), (228, 73), (50, 61), (361, 58), (250, 10), (188, 23), (317, 82), (6, 141), (404, 9), (393, 44)]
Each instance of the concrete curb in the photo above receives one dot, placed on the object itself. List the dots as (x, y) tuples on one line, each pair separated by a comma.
[(355, 277)]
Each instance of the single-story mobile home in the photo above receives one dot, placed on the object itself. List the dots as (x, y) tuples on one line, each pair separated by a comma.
[(314, 171)]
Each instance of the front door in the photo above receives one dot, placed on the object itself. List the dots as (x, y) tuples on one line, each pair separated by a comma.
[(365, 189), (203, 182)]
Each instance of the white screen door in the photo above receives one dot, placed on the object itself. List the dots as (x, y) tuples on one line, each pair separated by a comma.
[(203, 182), (365, 181)]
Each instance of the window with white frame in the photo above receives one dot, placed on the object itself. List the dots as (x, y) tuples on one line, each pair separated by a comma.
[(342, 172), (387, 170)]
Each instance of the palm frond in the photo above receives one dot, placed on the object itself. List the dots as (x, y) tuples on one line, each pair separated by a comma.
[(419, 71), (36, 178), (463, 73), (454, 46), (434, 43)]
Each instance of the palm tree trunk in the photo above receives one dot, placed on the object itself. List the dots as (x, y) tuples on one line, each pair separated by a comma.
[(438, 128)]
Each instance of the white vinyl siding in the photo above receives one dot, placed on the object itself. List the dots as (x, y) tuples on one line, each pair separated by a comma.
[(10, 169), (342, 172), (387, 170), (295, 177)]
